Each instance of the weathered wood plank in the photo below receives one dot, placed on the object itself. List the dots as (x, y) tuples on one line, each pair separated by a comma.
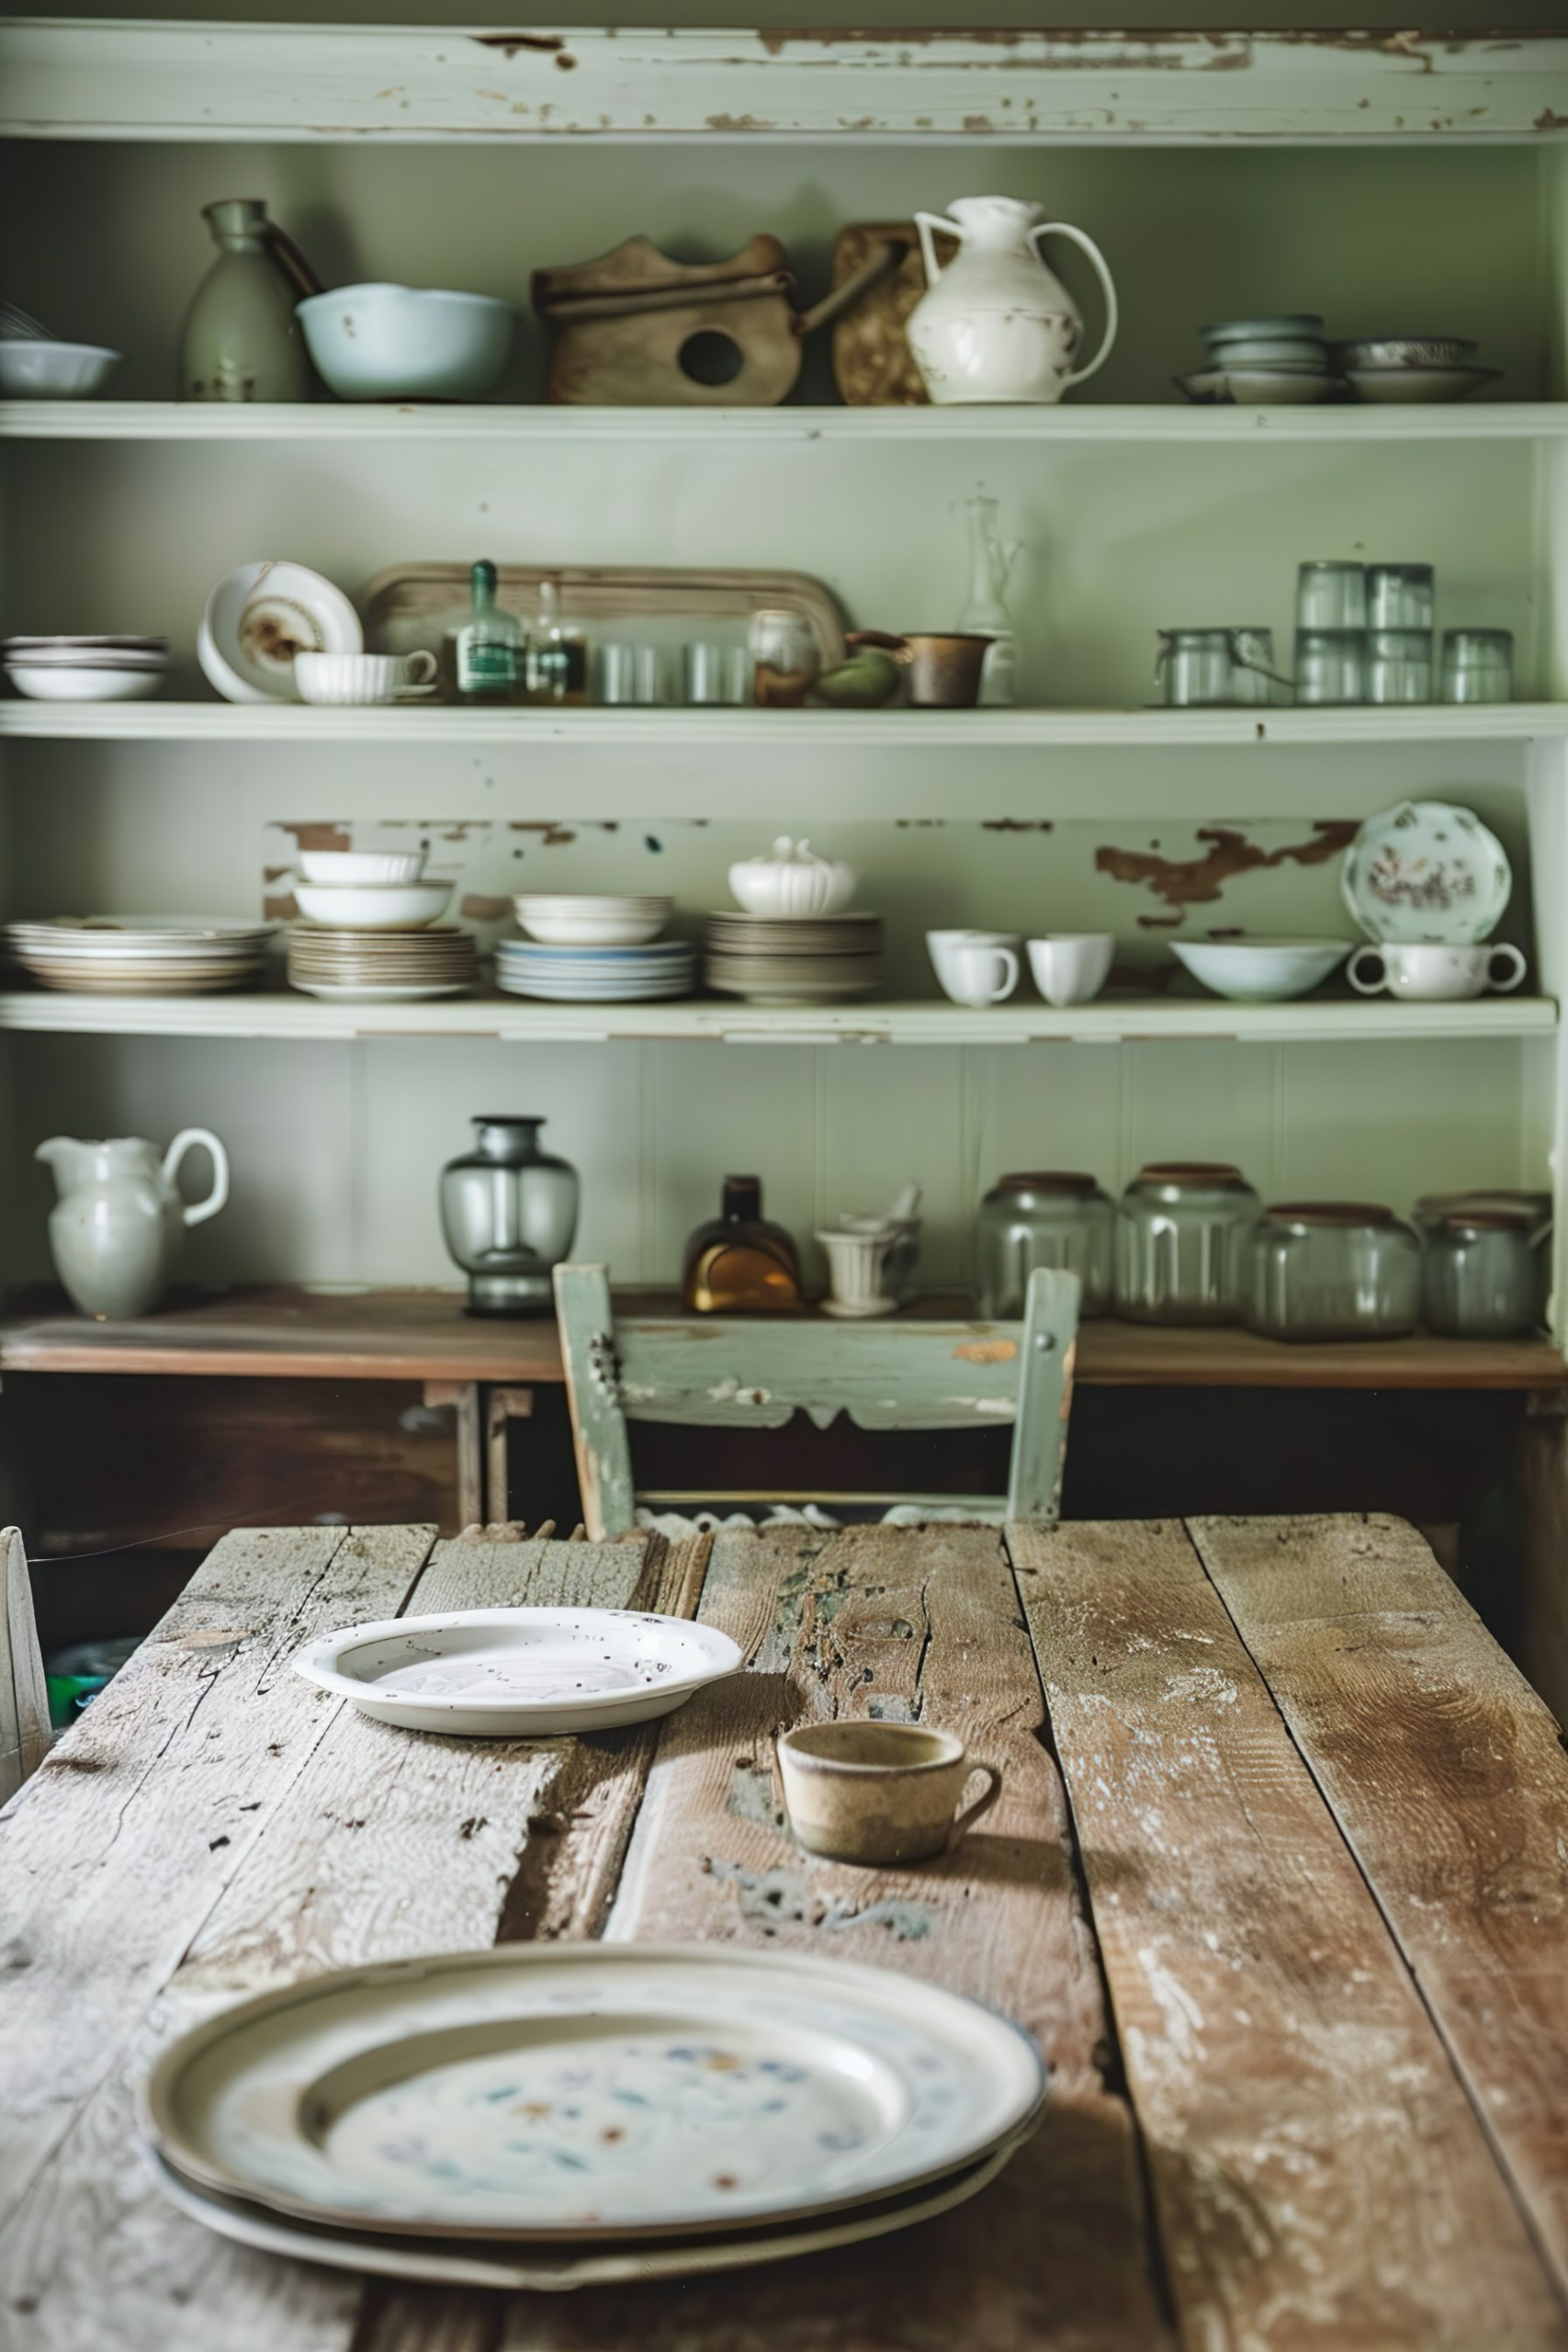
[(24, 1695), (884, 1621), (389, 1846), (1447, 1775), (1319, 2177), (118, 1848)]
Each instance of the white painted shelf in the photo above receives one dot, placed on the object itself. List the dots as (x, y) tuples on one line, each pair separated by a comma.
[(282, 1014), (417, 725), (313, 422)]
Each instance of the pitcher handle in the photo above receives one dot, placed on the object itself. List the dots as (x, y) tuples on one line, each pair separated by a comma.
[(925, 222), (1066, 229), (219, 1192)]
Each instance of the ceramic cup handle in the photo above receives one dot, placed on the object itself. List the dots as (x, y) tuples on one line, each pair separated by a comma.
[(1009, 962), (218, 1196), (1513, 973), (925, 222), (1352, 972), (419, 667), (971, 1813), (1064, 229)]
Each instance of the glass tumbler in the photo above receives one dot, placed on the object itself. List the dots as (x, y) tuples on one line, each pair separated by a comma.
[(1399, 666), (1478, 665), (1331, 665), (1047, 1218), (1400, 595), (1331, 595), (713, 673), (784, 659)]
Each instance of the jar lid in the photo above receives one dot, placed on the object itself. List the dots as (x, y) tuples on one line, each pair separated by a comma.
[(1047, 1180), (1337, 1212), (1191, 1171), (1493, 1219), (1529, 1207)]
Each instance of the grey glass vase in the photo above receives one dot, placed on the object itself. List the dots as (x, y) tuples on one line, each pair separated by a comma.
[(508, 1215)]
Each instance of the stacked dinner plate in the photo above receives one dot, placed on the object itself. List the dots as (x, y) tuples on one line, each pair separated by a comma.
[(794, 959), (594, 948), (86, 669), (384, 966), (557, 2115), (141, 954)]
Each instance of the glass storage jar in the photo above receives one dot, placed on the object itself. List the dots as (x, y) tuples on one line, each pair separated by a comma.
[(1399, 666), (1181, 1235), (1333, 1269), (1478, 665), (1486, 1269), (1331, 595), (1047, 1217), (1400, 595), (1331, 665)]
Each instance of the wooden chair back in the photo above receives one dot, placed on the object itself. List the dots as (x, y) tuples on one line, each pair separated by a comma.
[(24, 1695), (729, 1372)]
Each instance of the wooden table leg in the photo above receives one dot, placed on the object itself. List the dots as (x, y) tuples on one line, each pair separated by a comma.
[(503, 1406), (1544, 1633), (464, 1397)]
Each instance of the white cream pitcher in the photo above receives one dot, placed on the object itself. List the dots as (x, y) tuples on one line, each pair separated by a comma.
[(118, 1226), (996, 325)]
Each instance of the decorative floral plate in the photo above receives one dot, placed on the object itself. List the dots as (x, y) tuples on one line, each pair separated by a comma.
[(1427, 870), (590, 2092), (520, 1673)]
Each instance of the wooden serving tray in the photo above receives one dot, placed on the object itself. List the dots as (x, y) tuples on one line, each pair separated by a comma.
[(405, 605)]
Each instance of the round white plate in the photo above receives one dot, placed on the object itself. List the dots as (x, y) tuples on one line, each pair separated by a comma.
[(370, 992), (259, 618), (520, 1673), (136, 933), (589, 2091), (1426, 871)]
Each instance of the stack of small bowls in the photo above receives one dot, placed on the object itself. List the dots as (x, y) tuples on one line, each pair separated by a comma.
[(1280, 362), (86, 669), (594, 948), (369, 934)]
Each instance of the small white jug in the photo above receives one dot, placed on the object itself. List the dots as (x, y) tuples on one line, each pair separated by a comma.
[(118, 1226), (996, 324)]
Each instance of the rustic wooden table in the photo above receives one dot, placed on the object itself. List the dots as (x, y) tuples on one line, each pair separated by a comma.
[(1271, 1787)]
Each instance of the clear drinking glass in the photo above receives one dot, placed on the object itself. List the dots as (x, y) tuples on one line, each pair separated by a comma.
[(713, 673), (1399, 666), (1199, 667), (1331, 595), (784, 659), (1047, 1218), (1333, 1269), (1400, 595), (1478, 665), (1331, 665)]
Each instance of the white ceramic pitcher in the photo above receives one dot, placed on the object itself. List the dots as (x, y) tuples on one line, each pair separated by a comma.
[(117, 1230), (996, 325)]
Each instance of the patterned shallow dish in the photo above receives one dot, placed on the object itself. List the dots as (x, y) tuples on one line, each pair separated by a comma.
[(1427, 870), (520, 1673), (589, 2091)]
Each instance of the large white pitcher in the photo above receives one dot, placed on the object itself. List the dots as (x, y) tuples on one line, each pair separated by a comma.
[(118, 1226), (996, 325)]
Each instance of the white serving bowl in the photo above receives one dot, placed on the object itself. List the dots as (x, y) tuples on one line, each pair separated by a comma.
[(33, 371), (351, 868), (567, 922), (1260, 971), (373, 906), (390, 342), (259, 616), (59, 682)]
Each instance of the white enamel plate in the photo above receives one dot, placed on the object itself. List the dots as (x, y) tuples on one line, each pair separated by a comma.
[(1427, 870), (590, 2092), (520, 1673)]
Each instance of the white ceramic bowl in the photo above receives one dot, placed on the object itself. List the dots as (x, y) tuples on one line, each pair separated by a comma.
[(32, 370), (58, 682), (1260, 971), (259, 618), (351, 868), (373, 906), (388, 343), (565, 921)]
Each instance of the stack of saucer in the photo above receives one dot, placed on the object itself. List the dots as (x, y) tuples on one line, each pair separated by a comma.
[(86, 669), (794, 959), (141, 955), (1281, 361), (382, 967)]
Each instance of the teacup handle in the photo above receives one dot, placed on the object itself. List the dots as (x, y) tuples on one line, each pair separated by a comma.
[(1516, 969), (971, 1813), (1366, 987), (1087, 245), (419, 667), (1009, 962)]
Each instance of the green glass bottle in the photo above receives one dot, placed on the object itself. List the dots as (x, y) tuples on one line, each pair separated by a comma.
[(485, 649)]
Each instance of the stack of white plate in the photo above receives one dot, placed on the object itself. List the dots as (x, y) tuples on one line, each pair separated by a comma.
[(391, 965), (141, 954), (86, 669), (596, 975), (794, 959), (557, 2115)]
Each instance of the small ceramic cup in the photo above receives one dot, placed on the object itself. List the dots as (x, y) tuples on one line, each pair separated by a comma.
[(361, 677), (857, 1255), (1430, 974), (976, 968), (1071, 967), (879, 1792)]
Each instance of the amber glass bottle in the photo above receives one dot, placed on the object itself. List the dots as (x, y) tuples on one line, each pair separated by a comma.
[(738, 1263)]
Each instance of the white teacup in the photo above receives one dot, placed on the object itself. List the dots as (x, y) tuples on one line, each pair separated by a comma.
[(1071, 967), (361, 677), (976, 968), (1432, 974)]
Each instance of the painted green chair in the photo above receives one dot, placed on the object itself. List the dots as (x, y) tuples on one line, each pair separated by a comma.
[(729, 1372)]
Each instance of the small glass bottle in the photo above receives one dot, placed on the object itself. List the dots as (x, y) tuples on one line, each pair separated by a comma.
[(557, 656), (483, 650), (738, 1263)]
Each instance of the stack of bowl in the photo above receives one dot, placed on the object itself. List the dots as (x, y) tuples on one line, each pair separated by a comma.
[(584, 947), (1280, 361), (1412, 367), (86, 669), (369, 934), (794, 959)]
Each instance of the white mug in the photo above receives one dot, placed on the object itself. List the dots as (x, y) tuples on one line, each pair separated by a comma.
[(976, 968), (1071, 967), (361, 677), (1427, 973)]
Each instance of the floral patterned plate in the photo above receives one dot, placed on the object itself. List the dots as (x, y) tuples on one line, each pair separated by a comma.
[(520, 1673), (1426, 871), (589, 2092)]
